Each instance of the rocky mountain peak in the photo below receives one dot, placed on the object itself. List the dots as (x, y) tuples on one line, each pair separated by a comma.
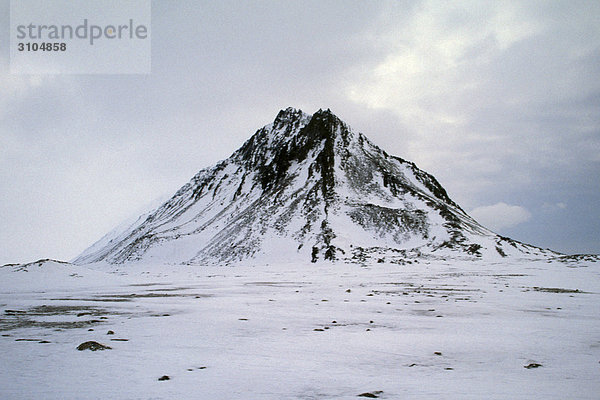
[(307, 188), (289, 115)]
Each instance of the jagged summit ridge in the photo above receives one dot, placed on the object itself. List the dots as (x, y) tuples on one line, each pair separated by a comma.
[(307, 188)]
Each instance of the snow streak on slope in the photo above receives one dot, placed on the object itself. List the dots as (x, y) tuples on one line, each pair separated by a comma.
[(306, 188)]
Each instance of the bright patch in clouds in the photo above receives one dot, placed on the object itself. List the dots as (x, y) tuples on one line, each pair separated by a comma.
[(500, 216), (437, 58)]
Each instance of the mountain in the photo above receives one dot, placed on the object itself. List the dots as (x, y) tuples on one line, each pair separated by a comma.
[(306, 188)]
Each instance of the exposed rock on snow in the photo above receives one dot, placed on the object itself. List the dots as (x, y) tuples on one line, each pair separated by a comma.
[(533, 365), (371, 395), (39, 264), (93, 346)]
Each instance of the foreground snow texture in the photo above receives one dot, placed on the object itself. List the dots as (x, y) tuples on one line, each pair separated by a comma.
[(424, 330)]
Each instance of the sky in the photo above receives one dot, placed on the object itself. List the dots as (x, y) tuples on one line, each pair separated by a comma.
[(499, 100)]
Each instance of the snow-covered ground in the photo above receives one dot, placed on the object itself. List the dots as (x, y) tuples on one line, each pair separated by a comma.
[(426, 330)]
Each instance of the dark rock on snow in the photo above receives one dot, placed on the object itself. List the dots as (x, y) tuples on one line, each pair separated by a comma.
[(93, 346)]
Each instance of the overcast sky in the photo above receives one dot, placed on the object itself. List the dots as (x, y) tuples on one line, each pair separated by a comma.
[(499, 100)]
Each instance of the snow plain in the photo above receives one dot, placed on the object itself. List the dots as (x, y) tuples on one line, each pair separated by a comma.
[(424, 330)]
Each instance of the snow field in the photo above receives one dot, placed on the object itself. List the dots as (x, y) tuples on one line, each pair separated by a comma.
[(452, 330)]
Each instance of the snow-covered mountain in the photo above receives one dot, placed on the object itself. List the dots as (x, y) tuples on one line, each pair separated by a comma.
[(306, 188)]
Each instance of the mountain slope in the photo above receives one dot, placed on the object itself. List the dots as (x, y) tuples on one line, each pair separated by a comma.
[(306, 187)]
